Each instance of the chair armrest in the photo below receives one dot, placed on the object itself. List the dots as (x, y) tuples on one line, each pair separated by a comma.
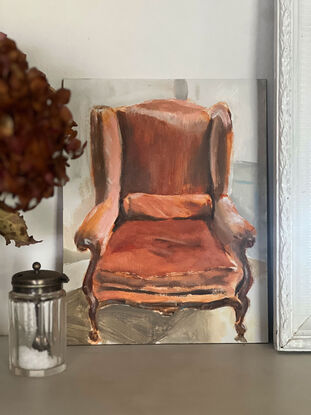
[(97, 225), (230, 227)]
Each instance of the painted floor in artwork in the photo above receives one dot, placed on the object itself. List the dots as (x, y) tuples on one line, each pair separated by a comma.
[(123, 324)]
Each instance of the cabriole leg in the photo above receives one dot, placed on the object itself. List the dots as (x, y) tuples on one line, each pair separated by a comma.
[(240, 314), (242, 295), (87, 288)]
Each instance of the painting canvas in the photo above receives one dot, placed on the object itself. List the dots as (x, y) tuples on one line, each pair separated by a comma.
[(165, 221)]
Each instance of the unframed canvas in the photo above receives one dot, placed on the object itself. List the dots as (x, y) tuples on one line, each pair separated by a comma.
[(165, 214)]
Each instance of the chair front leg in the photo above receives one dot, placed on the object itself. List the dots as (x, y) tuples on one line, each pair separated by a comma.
[(87, 288), (241, 293)]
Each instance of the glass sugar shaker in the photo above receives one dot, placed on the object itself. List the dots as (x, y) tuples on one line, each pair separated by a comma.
[(37, 322)]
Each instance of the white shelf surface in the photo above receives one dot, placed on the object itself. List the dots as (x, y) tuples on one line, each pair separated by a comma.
[(217, 379)]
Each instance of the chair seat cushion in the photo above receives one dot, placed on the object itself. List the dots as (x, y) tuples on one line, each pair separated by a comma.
[(165, 261)]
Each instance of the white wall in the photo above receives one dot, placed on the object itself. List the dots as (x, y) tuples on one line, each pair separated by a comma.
[(130, 39)]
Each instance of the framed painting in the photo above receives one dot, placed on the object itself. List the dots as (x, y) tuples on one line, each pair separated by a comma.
[(292, 322), (165, 214)]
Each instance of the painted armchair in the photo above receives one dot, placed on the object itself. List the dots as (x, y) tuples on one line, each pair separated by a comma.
[(164, 233)]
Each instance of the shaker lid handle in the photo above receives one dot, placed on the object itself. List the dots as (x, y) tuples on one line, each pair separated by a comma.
[(36, 267)]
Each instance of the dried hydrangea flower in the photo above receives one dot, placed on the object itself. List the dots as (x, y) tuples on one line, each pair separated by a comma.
[(37, 136)]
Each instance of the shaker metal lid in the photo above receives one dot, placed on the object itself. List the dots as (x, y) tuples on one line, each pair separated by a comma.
[(38, 279)]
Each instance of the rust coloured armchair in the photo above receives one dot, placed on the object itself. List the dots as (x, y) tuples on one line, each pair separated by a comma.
[(164, 233)]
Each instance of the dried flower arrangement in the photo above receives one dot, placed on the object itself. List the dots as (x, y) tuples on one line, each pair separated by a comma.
[(37, 138)]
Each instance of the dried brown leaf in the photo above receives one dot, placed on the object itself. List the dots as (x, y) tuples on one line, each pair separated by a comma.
[(14, 228)]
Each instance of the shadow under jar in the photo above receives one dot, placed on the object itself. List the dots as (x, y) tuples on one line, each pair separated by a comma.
[(37, 323)]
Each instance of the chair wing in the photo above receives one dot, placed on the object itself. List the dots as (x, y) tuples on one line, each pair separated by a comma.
[(106, 149)]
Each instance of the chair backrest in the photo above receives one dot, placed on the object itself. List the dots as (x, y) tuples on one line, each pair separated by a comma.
[(165, 148)]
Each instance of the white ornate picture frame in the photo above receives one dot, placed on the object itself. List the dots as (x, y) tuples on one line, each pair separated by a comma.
[(292, 319)]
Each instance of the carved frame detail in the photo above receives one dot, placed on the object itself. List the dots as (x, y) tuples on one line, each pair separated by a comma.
[(286, 336)]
